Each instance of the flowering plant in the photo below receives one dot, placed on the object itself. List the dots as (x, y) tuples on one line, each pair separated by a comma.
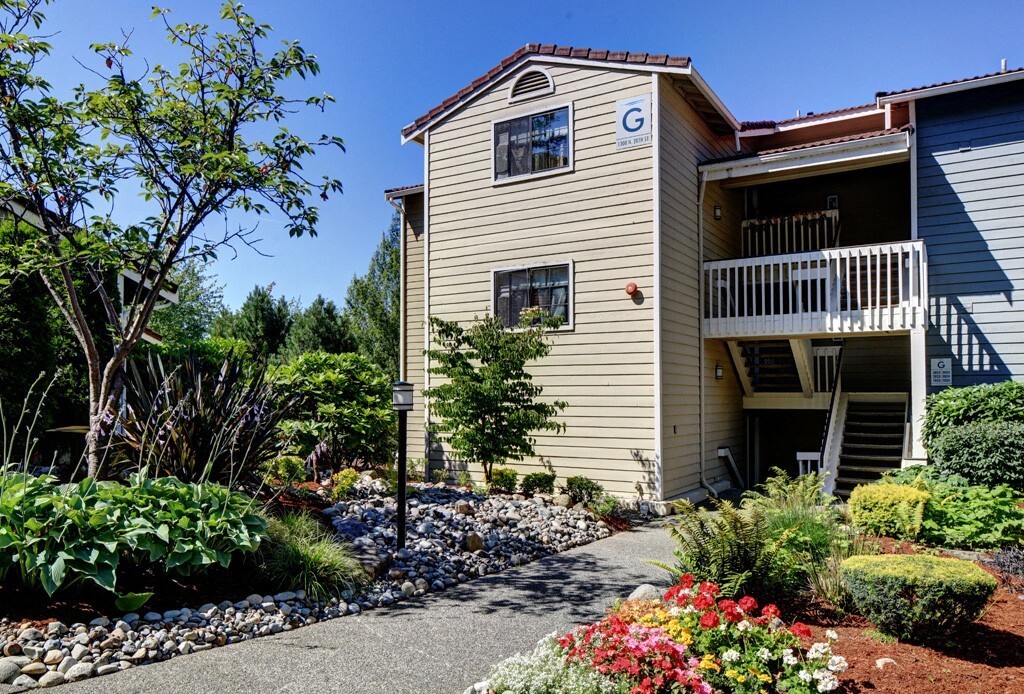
[(741, 647), (645, 657)]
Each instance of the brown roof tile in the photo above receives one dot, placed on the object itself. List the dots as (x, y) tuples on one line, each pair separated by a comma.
[(832, 141), (546, 49)]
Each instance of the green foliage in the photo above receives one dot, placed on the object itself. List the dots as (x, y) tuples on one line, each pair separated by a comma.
[(301, 554), (733, 548), (372, 303), (893, 510), (200, 301), (824, 575), (780, 492), (343, 482), (798, 511), (57, 536), (202, 139), (962, 515), (503, 480), (320, 327), (538, 483), (995, 402), (986, 453), (582, 490), (917, 597), (343, 404), (284, 469), (262, 323), (197, 423), (211, 351), (605, 505), (463, 479), (487, 405)]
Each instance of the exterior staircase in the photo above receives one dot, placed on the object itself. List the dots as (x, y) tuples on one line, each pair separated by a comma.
[(872, 443), (770, 366)]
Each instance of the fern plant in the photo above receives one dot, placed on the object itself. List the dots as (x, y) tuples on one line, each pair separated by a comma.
[(732, 547)]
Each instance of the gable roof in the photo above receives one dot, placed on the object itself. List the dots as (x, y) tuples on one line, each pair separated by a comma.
[(950, 86), (552, 53)]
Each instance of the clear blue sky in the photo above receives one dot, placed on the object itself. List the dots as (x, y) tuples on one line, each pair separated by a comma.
[(388, 62)]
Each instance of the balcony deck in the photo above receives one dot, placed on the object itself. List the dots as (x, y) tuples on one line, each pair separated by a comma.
[(878, 288)]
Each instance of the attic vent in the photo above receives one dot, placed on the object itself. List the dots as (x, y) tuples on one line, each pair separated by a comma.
[(531, 84)]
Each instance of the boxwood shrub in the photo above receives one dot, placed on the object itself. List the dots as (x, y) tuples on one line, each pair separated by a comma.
[(504, 480), (538, 483), (987, 453), (893, 510), (917, 597), (583, 490)]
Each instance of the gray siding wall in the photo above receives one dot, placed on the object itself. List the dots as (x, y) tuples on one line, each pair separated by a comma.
[(971, 216)]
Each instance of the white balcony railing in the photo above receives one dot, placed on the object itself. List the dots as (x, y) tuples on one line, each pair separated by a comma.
[(856, 289)]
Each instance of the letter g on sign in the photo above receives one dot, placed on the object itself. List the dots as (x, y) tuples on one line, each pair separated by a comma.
[(632, 119)]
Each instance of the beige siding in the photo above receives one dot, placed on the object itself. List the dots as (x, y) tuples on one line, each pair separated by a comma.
[(685, 142), (599, 216), (413, 322)]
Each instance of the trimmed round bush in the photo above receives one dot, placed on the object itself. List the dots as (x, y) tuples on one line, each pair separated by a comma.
[(917, 597), (987, 453), (538, 483), (504, 480), (893, 510)]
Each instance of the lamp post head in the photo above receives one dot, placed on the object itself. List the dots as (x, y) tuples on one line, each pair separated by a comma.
[(401, 396)]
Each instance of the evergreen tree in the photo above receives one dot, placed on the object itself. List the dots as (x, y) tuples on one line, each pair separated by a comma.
[(372, 303), (319, 328), (263, 322)]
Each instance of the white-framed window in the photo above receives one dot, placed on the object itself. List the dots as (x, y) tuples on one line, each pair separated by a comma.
[(533, 144), (546, 286)]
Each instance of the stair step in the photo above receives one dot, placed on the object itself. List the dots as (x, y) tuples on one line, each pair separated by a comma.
[(875, 425), (878, 458), (864, 468), (874, 446), (874, 436)]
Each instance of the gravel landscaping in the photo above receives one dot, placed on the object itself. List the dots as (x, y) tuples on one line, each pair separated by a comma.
[(454, 536)]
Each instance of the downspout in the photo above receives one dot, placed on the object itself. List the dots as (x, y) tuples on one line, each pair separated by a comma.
[(401, 289), (700, 333)]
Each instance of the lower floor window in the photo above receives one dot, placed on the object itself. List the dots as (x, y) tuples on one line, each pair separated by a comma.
[(545, 287)]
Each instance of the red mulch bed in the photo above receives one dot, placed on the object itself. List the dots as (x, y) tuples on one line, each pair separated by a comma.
[(987, 656)]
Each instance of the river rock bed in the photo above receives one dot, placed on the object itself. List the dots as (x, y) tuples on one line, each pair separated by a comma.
[(454, 535)]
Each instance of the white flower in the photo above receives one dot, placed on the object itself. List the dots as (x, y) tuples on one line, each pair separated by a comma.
[(743, 625), (837, 663), (675, 611), (828, 683), (764, 654), (788, 658), (805, 676), (731, 655), (818, 650), (831, 635), (689, 609)]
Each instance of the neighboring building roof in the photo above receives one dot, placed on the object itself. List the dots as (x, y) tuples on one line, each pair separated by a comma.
[(806, 145), (1016, 72), (392, 193), (661, 61), (869, 109)]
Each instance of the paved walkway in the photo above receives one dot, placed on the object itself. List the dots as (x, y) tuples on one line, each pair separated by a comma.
[(440, 643)]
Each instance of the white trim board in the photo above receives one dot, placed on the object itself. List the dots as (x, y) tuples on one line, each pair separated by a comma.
[(940, 89), (656, 194)]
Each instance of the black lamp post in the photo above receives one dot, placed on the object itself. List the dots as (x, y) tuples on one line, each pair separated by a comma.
[(401, 402)]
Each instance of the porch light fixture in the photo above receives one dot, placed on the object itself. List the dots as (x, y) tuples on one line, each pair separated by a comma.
[(719, 372), (401, 402), (718, 211)]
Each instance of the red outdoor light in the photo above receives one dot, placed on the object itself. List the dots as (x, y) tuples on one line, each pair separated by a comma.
[(631, 288)]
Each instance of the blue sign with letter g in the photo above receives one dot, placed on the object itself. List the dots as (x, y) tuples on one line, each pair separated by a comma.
[(636, 122)]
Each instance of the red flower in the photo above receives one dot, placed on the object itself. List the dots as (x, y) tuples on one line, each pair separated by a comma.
[(770, 611), (800, 630), (703, 601), (708, 588), (686, 581), (747, 603), (709, 620)]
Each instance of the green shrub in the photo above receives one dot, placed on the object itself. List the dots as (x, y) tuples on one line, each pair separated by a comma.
[(893, 510), (733, 548), (301, 554), (824, 575), (343, 482), (917, 597), (958, 514), (798, 513), (343, 406), (582, 490), (503, 480), (605, 505), (538, 483), (987, 453), (284, 469), (56, 536), (996, 402)]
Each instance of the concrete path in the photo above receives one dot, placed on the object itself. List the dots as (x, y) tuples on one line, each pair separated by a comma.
[(439, 643)]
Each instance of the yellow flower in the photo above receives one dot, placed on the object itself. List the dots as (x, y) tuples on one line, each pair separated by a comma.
[(764, 678), (731, 673), (741, 679)]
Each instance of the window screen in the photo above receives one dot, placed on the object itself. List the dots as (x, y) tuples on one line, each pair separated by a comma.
[(542, 287)]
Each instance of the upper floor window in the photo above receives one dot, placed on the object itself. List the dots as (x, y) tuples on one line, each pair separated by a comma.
[(532, 144), (546, 287)]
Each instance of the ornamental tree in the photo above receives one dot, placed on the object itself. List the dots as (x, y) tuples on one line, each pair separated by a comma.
[(488, 406), (198, 142)]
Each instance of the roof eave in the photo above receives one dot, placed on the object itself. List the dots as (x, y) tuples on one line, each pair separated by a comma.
[(938, 90)]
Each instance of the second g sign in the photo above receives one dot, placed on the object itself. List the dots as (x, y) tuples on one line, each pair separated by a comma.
[(633, 122)]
